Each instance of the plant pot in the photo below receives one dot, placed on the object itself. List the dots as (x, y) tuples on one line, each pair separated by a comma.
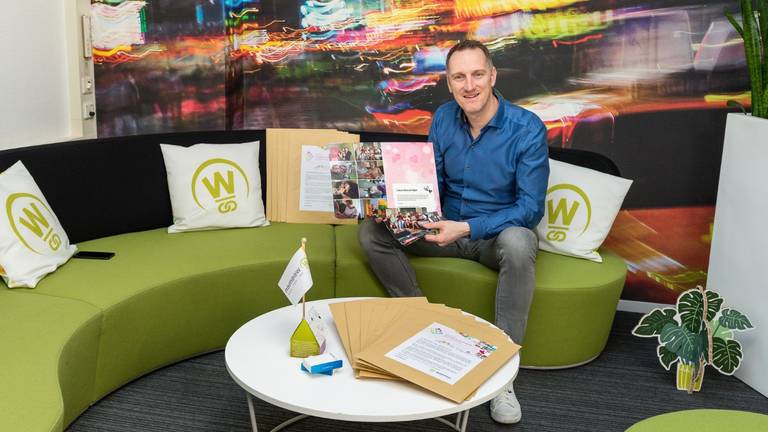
[(685, 374)]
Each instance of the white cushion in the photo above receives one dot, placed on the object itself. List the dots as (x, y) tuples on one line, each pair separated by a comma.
[(32, 241), (214, 186), (579, 210)]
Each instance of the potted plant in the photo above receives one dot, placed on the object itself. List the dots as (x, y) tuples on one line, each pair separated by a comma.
[(754, 31), (694, 339)]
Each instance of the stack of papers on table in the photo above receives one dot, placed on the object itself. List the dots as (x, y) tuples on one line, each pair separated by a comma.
[(434, 346)]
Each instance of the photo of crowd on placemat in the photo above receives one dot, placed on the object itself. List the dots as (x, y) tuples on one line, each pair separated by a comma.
[(375, 208), (372, 188), (343, 170), (346, 209), (371, 170), (406, 223), (358, 186), (369, 151)]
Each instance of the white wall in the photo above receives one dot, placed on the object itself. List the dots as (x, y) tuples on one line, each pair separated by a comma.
[(738, 259), (39, 76)]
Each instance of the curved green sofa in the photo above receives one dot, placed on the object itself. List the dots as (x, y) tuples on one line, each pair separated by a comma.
[(93, 326), (48, 362), (573, 304)]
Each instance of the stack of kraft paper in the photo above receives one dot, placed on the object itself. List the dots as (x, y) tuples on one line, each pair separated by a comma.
[(439, 348)]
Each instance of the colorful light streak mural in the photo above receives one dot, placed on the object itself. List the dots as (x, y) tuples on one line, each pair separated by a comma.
[(482, 8), (118, 32), (598, 73)]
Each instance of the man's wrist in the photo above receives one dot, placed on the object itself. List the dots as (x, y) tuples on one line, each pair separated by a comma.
[(465, 229), (475, 228)]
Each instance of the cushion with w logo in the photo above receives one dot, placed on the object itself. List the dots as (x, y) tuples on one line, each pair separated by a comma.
[(214, 186), (32, 241), (579, 210)]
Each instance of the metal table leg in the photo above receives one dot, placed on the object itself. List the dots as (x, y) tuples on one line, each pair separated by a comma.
[(460, 425), (252, 412), (279, 427)]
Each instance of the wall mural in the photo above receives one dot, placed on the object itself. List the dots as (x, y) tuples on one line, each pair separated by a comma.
[(642, 82)]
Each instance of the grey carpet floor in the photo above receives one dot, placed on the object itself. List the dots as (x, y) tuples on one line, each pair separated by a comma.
[(621, 387)]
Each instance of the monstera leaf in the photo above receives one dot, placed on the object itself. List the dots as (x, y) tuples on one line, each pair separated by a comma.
[(690, 305), (688, 345), (726, 355), (714, 301), (720, 330), (666, 357), (652, 323), (734, 320), (685, 332)]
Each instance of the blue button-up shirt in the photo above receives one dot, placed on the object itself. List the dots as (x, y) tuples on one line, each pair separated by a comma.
[(496, 180)]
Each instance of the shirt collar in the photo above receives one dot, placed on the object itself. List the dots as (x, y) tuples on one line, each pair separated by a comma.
[(497, 121)]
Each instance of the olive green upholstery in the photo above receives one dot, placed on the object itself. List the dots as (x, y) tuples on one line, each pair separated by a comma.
[(162, 298), (48, 349), (94, 325), (704, 420), (573, 305)]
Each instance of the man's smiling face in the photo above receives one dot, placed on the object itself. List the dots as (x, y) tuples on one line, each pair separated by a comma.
[(471, 79)]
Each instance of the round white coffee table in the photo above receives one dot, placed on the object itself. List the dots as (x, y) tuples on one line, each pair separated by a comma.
[(257, 357)]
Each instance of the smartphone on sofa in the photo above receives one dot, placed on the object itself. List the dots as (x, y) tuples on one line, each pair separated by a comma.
[(94, 255)]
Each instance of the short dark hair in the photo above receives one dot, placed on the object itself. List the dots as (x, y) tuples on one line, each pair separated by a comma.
[(467, 44)]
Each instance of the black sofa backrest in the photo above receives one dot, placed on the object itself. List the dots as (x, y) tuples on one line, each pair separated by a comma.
[(104, 187)]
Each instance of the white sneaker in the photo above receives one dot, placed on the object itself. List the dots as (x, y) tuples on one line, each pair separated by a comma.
[(505, 408)]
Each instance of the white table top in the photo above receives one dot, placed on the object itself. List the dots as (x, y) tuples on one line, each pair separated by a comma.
[(257, 357)]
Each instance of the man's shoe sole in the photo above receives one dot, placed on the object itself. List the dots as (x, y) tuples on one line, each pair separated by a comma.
[(506, 420)]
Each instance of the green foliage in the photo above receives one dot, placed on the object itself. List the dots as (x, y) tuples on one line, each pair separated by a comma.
[(734, 320), (689, 346), (652, 324), (754, 31), (690, 305), (726, 355), (666, 357), (714, 301), (687, 334), (720, 330)]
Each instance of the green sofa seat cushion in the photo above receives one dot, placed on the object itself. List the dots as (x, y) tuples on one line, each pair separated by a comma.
[(48, 362), (573, 305), (704, 420), (166, 297)]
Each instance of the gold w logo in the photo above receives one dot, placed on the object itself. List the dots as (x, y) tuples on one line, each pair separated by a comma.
[(565, 214), (33, 219), (219, 183), (214, 186), (561, 211)]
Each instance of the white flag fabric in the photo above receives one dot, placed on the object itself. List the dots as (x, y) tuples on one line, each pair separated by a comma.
[(296, 279)]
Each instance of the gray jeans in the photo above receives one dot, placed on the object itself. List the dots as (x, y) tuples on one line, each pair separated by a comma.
[(512, 253)]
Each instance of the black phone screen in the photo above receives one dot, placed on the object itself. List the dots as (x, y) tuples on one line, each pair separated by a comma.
[(94, 255)]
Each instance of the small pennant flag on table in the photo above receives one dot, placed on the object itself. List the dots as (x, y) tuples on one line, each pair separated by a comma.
[(296, 279)]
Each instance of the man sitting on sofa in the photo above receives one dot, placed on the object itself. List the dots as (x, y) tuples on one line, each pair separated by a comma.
[(492, 169)]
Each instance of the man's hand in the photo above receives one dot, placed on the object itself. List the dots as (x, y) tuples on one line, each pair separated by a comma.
[(449, 231)]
